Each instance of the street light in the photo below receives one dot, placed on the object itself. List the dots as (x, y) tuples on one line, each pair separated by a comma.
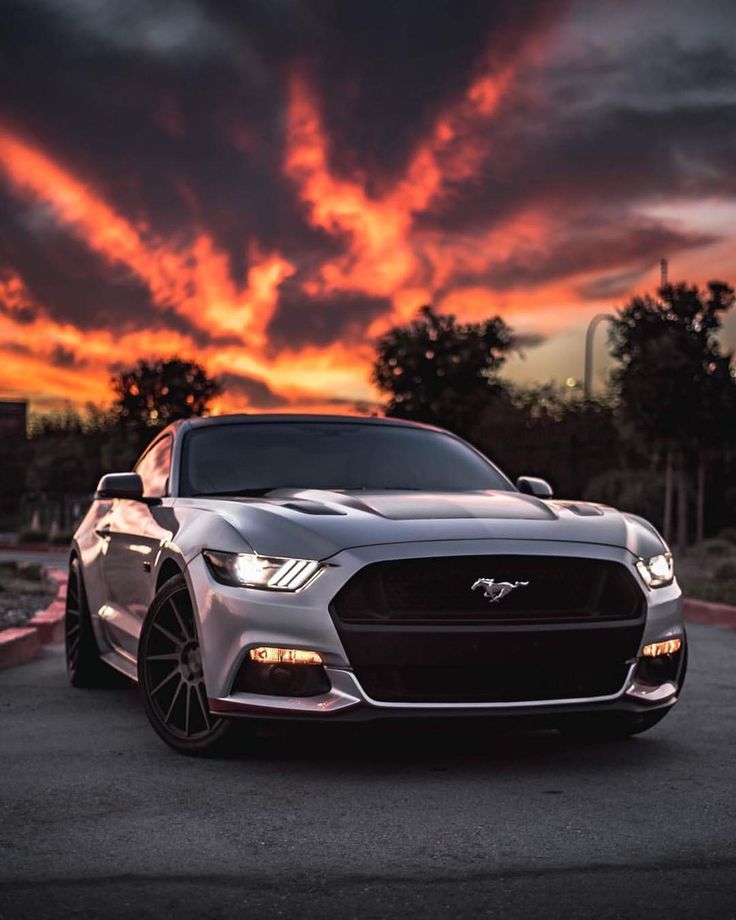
[(589, 336)]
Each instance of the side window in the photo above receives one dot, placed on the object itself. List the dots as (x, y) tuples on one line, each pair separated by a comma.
[(154, 467)]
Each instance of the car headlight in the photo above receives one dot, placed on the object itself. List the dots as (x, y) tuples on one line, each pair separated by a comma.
[(249, 570), (657, 571)]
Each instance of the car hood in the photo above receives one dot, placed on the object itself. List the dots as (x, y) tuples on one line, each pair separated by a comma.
[(308, 523)]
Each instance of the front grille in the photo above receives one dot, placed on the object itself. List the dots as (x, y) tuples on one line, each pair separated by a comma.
[(426, 591), (414, 631)]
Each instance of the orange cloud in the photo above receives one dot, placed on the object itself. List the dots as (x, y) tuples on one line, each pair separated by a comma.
[(386, 251), (385, 256), (193, 279)]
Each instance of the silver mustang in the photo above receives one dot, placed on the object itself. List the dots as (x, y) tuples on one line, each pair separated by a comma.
[(337, 568)]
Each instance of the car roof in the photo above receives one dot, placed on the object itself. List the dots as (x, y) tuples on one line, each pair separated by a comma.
[(240, 418)]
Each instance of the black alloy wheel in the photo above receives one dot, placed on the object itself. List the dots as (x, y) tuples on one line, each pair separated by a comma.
[(171, 677), (83, 664)]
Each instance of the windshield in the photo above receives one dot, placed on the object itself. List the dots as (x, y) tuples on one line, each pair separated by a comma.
[(255, 457)]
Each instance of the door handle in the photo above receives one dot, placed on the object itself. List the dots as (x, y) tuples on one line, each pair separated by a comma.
[(103, 531)]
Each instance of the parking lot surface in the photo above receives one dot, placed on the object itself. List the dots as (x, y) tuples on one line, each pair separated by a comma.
[(99, 819)]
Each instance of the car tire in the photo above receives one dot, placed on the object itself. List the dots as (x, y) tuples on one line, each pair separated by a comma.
[(171, 679), (84, 667)]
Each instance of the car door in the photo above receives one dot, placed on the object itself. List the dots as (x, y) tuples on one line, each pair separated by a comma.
[(130, 551)]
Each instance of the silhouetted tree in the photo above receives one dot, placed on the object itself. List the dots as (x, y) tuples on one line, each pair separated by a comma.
[(675, 386), (545, 431), (437, 370), (65, 457), (152, 394), (61, 460)]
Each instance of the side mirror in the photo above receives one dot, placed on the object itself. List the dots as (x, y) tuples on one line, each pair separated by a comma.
[(120, 485), (531, 485)]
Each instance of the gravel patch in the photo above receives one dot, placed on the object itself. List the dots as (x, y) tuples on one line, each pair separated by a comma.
[(23, 591)]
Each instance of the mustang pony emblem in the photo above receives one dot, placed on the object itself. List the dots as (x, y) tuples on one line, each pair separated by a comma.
[(495, 590)]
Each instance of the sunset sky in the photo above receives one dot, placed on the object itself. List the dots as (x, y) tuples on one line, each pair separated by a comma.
[(266, 186)]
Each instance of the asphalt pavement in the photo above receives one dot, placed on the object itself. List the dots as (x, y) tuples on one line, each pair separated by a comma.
[(99, 819)]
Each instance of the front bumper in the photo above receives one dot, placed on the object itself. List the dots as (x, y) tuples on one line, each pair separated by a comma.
[(233, 620)]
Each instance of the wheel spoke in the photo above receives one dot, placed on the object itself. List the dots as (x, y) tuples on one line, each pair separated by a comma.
[(73, 647), (180, 621), (166, 679), (170, 636), (186, 716), (202, 705), (174, 698), (178, 696), (72, 629)]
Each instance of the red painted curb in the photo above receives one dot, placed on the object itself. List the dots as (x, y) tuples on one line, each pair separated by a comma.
[(710, 613), (49, 623), (18, 645), (60, 548)]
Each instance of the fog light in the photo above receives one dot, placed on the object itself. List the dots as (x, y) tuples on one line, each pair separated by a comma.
[(668, 647), (268, 655), (282, 672)]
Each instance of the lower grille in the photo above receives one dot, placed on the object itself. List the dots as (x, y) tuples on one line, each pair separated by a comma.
[(497, 683), (495, 664)]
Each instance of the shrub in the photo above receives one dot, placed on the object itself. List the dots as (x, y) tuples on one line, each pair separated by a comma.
[(715, 547), (63, 537), (29, 535), (706, 589), (725, 571), (637, 491)]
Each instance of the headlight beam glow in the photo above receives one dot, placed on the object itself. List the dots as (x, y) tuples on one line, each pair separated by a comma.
[(249, 570), (656, 571)]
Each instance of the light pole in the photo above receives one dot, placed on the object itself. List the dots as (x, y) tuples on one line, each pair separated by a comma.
[(589, 336)]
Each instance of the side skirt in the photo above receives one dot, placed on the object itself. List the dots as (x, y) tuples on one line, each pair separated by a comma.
[(121, 663)]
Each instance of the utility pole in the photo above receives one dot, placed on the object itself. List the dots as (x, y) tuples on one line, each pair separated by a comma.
[(589, 337), (663, 273)]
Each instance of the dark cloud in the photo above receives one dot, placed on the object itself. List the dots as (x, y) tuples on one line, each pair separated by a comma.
[(649, 124), (63, 274), (259, 393), (65, 357), (255, 392), (24, 315), (383, 70), (339, 316), (598, 243), (613, 285), (17, 348), (100, 85), (175, 114), (76, 285)]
